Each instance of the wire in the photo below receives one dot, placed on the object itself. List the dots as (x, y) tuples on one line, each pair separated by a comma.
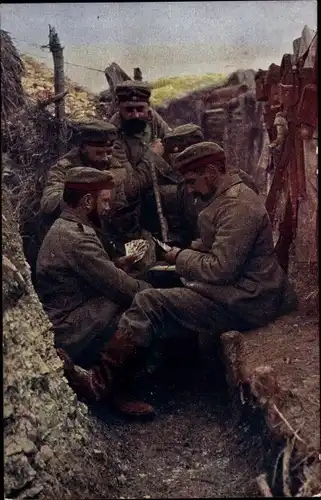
[(65, 62)]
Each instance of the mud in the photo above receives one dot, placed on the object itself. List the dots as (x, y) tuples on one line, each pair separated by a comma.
[(190, 450)]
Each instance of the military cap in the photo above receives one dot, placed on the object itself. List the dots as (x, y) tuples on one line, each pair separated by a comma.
[(133, 90), (88, 179), (183, 136), (199, 155), (95, 132)]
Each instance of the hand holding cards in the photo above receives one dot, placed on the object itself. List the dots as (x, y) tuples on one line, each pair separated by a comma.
[(169, 254)]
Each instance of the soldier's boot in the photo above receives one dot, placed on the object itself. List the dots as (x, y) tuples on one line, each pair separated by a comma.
[(118, 359), (90, 385)]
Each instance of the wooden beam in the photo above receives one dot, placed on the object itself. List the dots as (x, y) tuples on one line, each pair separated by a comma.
[(59, 76)]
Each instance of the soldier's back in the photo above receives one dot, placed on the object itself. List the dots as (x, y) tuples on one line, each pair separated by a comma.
[(60, 287)]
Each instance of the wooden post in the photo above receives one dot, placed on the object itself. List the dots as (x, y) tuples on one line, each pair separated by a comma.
[(115, 75), (138, 75), (59, 75)]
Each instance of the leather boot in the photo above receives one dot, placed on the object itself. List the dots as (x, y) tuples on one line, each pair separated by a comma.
[(90, 385), (118, 357)]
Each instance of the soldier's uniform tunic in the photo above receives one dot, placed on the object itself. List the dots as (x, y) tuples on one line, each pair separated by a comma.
[(82, 291)]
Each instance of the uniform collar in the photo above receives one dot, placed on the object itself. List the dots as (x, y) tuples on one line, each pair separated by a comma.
[(71, 215), (231, 180)]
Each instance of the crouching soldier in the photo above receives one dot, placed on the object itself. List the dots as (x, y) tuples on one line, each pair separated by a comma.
[(233, 282), (82, 290)]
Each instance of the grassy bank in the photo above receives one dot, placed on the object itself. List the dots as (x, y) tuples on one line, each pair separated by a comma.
[(80, 101), (176, 86)]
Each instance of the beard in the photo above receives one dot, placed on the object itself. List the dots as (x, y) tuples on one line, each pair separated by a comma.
[(95, 219), (99, 165), (199, 197), (134, 126)]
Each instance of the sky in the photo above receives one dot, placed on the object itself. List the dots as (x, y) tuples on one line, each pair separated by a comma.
[(163, 39)]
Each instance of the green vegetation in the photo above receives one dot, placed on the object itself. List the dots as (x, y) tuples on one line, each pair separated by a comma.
[(165, 89)]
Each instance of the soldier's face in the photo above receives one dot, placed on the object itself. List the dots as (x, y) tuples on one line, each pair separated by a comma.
[(103, 201), (201, 184), (98, 156), (97, 205), (130, 110)]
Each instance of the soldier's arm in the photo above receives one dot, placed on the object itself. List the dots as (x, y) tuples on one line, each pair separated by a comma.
[(237, 228), (162, 127), (90, 260), (137, 177), (53, 191)]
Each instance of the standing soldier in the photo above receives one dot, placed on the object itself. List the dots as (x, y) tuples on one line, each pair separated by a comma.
[(139, 150)]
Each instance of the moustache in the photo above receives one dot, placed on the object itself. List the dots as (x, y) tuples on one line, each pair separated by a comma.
[(134, 125)]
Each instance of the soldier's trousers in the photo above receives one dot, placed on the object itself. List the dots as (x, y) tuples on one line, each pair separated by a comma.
[(161, 313)]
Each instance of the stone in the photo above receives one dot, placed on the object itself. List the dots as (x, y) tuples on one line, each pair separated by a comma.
[(7, 411), (32, 493), (121, 479), (46, 453), (18, 473)]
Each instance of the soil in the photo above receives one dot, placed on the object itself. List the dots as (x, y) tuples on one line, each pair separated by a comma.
[(291, 347), (190, 450)]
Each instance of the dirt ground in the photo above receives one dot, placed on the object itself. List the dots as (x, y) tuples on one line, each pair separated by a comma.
[(189, 451)]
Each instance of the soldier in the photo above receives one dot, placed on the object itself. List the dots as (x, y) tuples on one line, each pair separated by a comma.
[(82, 290), (180, 207), (139, 151), (95, 150), (233, 281)]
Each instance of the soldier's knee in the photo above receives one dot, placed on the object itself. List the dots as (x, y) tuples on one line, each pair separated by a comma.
[(151, 298)]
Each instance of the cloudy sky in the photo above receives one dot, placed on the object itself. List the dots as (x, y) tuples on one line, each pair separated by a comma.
[(164, 39)]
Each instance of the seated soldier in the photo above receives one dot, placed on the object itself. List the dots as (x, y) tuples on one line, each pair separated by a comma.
[(82, 290), (233, 282), (180, 207)]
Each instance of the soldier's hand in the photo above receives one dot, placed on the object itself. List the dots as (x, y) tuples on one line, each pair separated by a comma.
[(171, 256), (125, 263), (198, 245), (157, 147)]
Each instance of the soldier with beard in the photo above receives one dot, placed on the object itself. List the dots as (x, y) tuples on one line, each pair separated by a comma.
[(81, 289), (96, 140), (138, 150)]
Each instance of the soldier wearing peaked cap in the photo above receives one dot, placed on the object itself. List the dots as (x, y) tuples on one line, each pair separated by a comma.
[(82, 290), (95, 142), (140, 131), (232, 281), (179, 139), (203, 153), (138, 149)]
